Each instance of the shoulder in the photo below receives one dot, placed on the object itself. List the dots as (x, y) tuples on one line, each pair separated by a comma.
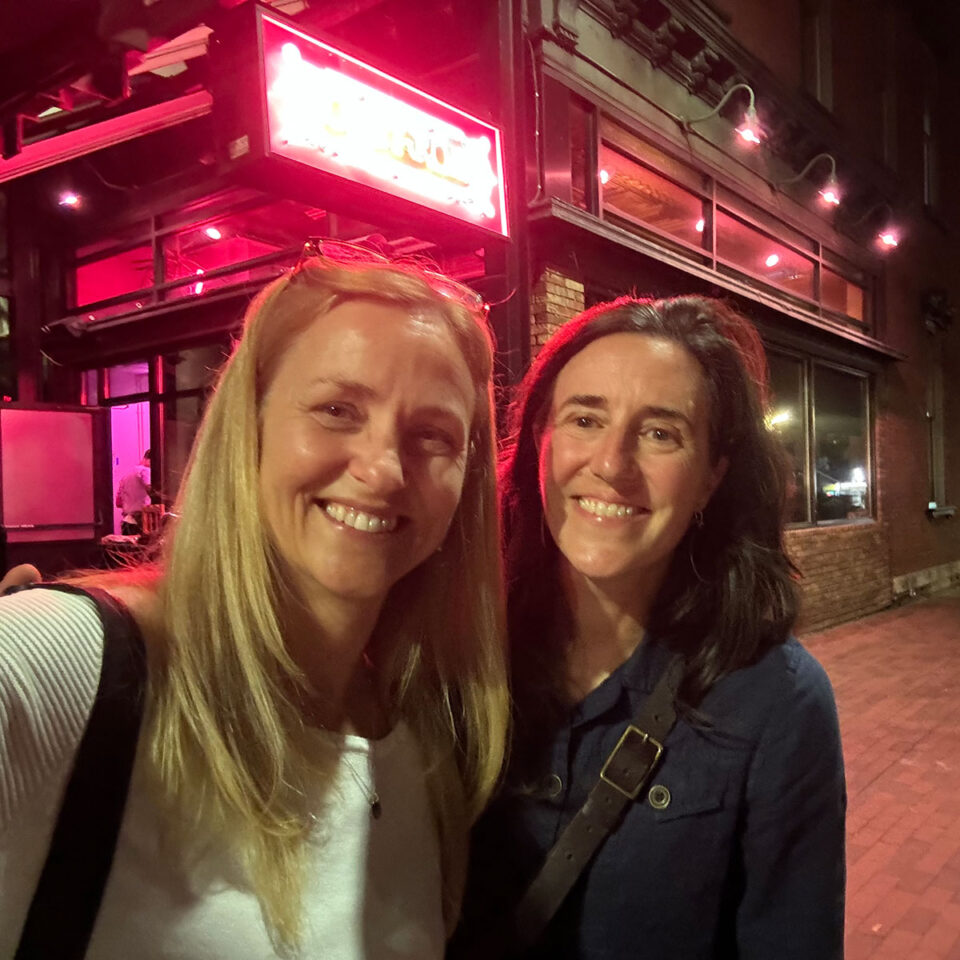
[(51, 646), (785, 686)]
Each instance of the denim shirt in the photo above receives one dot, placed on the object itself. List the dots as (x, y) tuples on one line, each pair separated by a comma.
[(735, 848)]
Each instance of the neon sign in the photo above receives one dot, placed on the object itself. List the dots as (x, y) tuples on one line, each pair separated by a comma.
[(331, 112)]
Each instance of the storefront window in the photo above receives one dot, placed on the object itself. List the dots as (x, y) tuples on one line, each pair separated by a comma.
[(127, 271), (840, 294), (127, 380), (840, 444), (787, 419), (195, 368), (631, 190), (748, 249)]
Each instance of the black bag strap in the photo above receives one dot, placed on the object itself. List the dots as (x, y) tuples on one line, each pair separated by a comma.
[(67, 898), (623, 776)]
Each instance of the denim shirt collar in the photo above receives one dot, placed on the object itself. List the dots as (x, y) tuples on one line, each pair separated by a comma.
[(636, 675)]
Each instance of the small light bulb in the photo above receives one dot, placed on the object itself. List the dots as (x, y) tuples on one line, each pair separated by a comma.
[(888, 238), (772, 260), (69, 199), (604, 176), (213, 233), (700, 224)]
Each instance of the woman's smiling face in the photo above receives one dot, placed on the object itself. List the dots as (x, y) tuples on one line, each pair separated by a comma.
[(365, 431), (624, 457)]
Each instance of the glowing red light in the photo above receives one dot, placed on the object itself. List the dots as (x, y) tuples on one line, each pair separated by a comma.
[(830, 196), (604, 176), (888, 238), (213, 233), (699, 225), (69, 199), (334, 113), (772, 260), (749, 131), (749, 134)]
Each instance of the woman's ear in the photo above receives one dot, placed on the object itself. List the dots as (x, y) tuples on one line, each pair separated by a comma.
[(717, 473)]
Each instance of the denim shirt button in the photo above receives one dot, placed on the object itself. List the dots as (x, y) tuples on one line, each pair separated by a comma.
[(553, 786), (659, 797)]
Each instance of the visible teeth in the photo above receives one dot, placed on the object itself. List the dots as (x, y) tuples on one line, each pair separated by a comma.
[(360, 520), (600, 508)]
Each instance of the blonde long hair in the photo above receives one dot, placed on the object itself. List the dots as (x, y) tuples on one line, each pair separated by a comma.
[(226, 734)]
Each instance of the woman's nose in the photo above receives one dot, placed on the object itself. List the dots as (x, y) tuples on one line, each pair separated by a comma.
[(614, 457), (376, 462)]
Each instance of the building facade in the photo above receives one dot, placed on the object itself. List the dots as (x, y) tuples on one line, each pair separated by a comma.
[(624, 171), (645, 183)]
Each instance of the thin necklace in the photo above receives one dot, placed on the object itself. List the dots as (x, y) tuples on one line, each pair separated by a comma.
[(372, 797)]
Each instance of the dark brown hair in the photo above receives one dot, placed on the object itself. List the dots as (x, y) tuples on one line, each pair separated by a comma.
[(729, 593)]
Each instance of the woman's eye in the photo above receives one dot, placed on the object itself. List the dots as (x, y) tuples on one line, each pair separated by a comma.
[(584, 422), (338, 414), (434, 442), (663, 436)]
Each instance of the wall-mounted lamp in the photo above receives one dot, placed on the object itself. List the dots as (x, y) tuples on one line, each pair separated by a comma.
[(749, 130), (830, 191), (888, 234)]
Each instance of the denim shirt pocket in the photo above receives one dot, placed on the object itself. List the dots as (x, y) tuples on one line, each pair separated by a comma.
[(695, 790)]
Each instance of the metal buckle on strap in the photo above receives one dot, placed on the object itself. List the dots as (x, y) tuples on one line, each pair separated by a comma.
[(628, 772)]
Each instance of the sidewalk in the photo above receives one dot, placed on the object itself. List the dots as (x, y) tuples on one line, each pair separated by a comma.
[(897, 679)]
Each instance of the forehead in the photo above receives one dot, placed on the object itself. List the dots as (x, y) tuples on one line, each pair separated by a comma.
[(381, 345), (634, 369)]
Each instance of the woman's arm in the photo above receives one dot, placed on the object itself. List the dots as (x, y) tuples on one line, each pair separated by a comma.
[(792, 849)]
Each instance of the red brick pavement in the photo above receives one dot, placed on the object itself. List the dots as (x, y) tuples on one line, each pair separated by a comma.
[(897, 680)]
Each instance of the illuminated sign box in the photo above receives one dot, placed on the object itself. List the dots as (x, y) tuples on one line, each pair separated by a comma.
[(289, 101)]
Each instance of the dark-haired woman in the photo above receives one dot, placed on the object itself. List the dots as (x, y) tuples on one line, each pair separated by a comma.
[(642, 502)]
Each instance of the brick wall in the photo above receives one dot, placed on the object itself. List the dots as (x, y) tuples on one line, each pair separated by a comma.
[(556, 298), (846, 572)]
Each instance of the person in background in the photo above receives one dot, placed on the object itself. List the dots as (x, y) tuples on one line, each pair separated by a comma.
[(642, 504), (133, 494), (326, 700)]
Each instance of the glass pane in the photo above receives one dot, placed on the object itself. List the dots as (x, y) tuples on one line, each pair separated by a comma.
[(182, 417), (755, 252), (114, 275), (840, 294), (128, 379), (88, 388), (840, 417), (787, 420), (630, 189), (195, 368)]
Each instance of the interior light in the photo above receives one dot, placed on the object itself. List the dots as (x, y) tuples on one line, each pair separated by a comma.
[(782, 416), (198, 286), (749, 130), (213, 233), (857, 475), (772, 260), (69, 199), (700, 224), (888, 239), (604, 176)]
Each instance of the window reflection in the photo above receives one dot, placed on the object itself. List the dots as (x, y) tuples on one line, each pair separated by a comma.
[(842, 470), (630, 189), (742, 246), (787, 420)]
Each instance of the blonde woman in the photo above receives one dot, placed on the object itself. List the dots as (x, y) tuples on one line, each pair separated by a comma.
[(326, 705)]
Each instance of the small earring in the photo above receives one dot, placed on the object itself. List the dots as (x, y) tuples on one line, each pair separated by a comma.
[(698, 518)]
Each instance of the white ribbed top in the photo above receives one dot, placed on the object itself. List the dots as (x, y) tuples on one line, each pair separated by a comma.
[(374, 891)]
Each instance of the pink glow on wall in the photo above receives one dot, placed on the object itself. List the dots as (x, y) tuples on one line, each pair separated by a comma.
[(47, 474), (334, 113), (113, 276)]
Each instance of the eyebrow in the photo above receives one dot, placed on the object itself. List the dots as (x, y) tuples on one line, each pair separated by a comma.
[(351, 386), (596, 402)]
